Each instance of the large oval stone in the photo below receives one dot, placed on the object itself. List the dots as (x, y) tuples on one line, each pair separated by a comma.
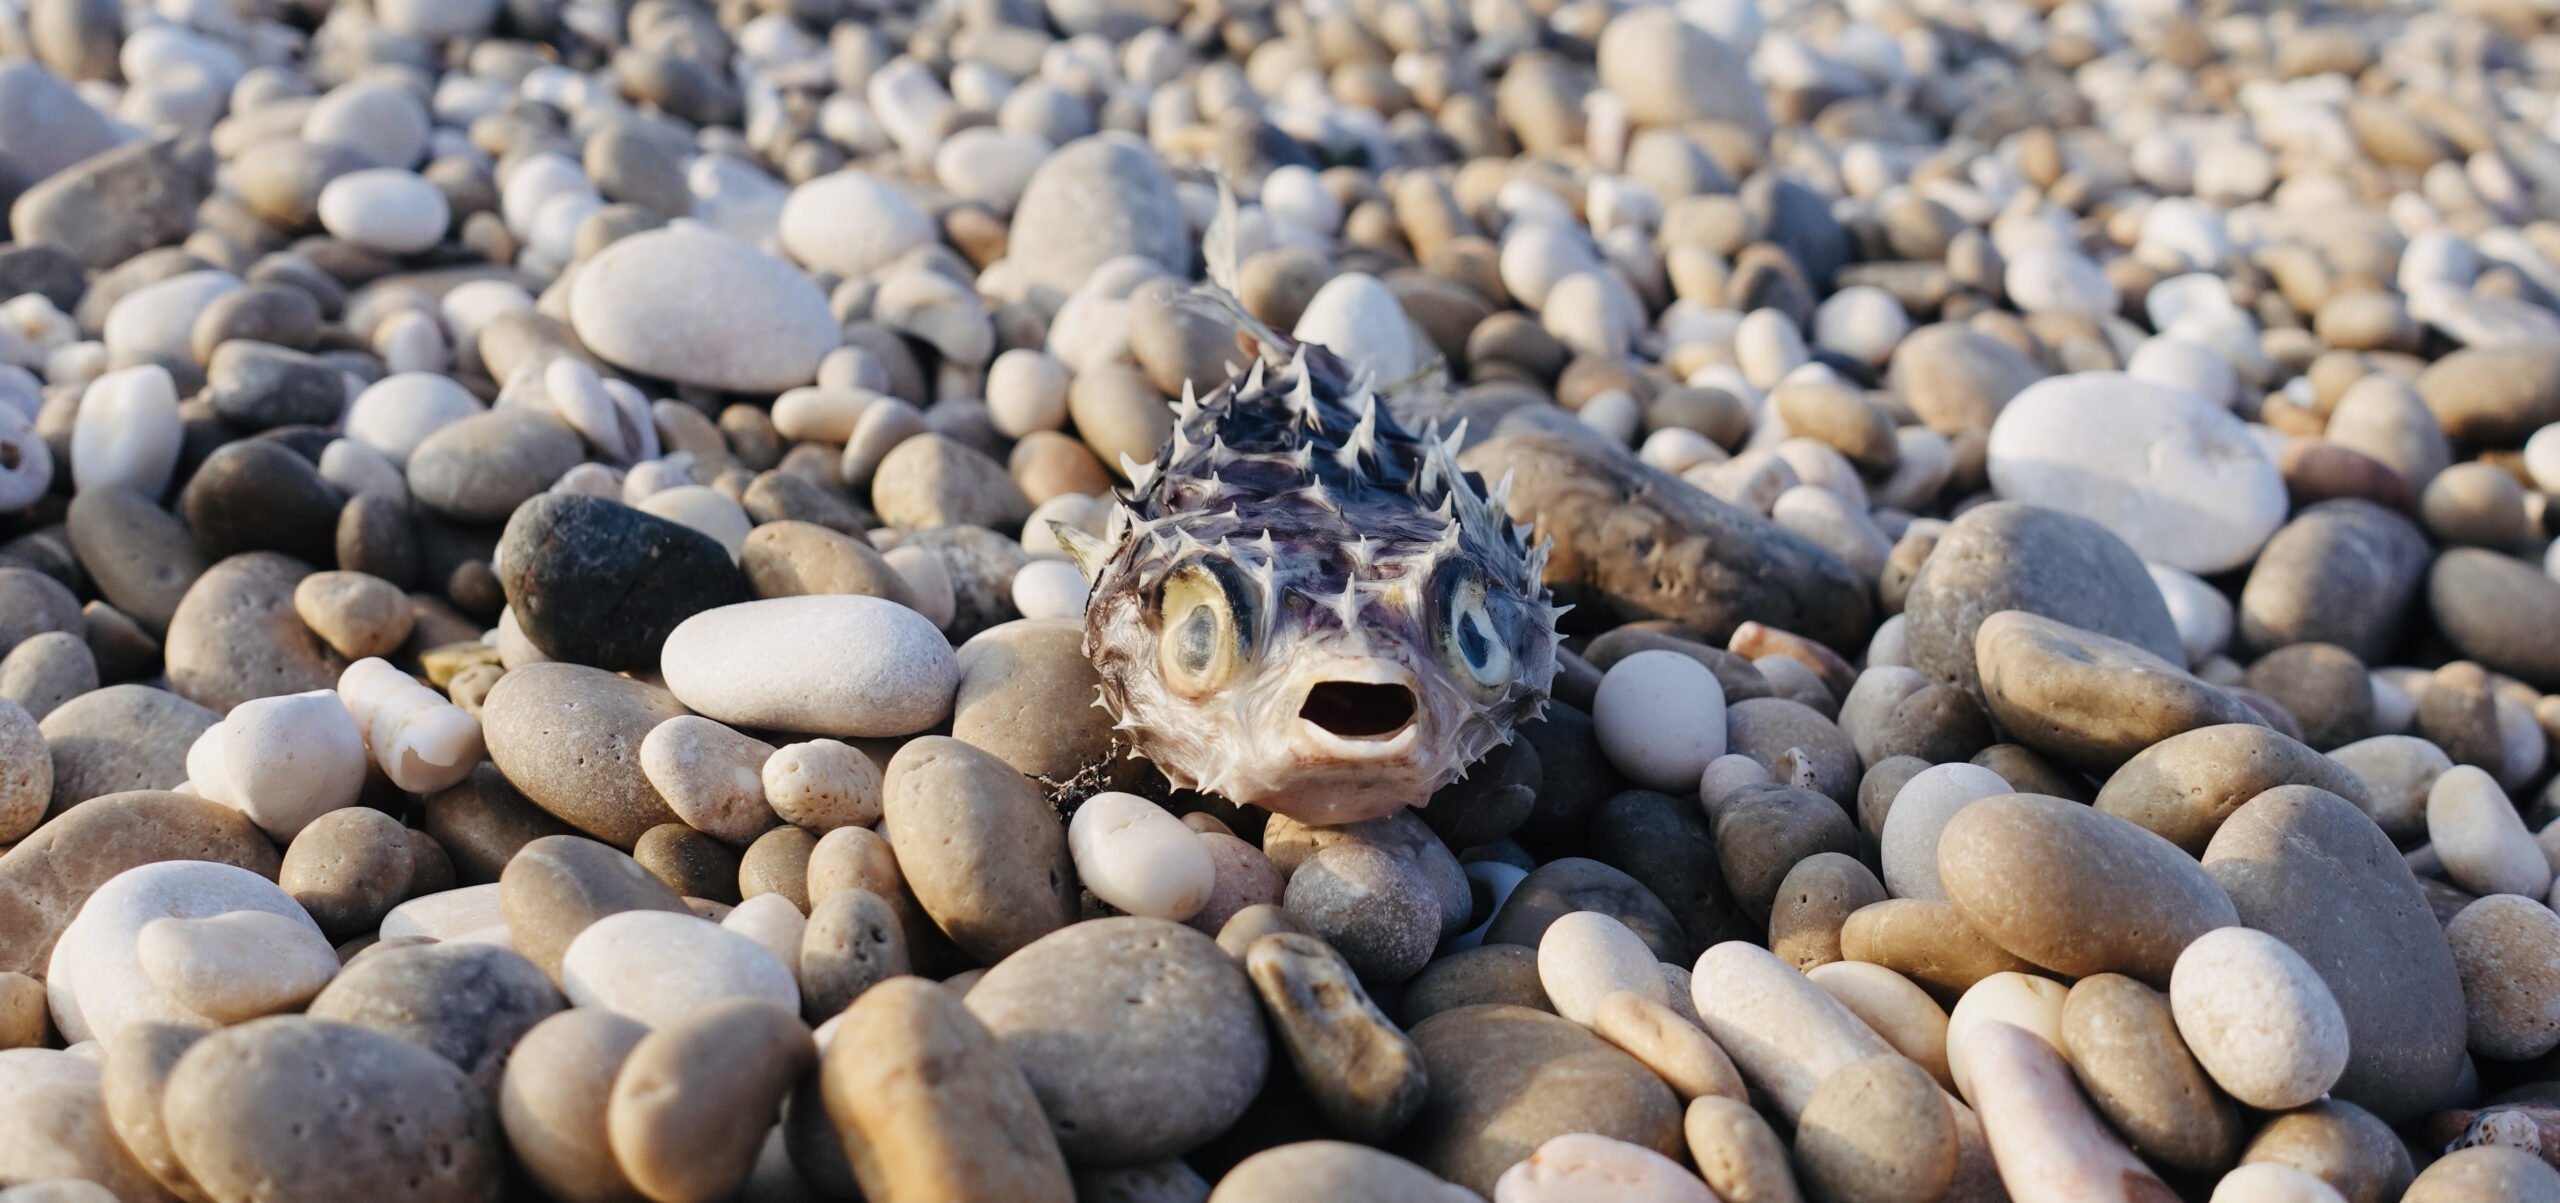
[(295, 1108), (236, 637), (2075, 890), (984, 854), (2185, 786), (697, 306)]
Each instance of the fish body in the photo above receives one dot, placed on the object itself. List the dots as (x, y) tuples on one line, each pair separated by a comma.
[(1303, 606)]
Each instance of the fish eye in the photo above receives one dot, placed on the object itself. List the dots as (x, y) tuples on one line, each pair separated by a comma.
[(1204, 618), (1469, 638)]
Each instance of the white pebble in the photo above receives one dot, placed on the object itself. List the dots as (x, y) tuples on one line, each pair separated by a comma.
[(1659, 717), (773, 922), (1581, 1166), (659, 966), (1137, 857), (2258, 1019), (2022, 1000), (128, 432), (839, 664), (705, 509), (421, 740), (388, 209), (1050, 589), (1585, 955), (282, 761), (1920, 814), (2481, 838), (822, 785), (237, 965)]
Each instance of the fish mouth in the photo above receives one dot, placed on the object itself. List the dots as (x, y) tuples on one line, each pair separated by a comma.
[(1362, 711)]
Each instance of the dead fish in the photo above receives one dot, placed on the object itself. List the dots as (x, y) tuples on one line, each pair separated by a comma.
[(1300, 605)]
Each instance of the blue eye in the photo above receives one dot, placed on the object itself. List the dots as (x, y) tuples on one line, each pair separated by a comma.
[(1469, 636)]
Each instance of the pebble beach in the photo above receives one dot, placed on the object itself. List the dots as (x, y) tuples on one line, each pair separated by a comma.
[(544, 579)]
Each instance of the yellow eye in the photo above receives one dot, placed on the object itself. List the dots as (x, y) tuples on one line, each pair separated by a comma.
[(1206, 628), (1469, 638)]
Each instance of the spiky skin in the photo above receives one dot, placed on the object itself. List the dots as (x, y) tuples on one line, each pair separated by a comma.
[(1347, 534)]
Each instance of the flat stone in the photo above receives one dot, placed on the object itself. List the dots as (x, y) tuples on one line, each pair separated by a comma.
[(480, 468), (555, 886), (2088, 699), (141, 557), (120, 738), (1333, 1169), (827, 664), (112, 206), (691, 304), (2185, 787), (1139, 1036), (1633, 543)]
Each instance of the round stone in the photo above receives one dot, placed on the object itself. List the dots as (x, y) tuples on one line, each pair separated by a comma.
[(569, 737), (694, 305), (1140, 1037), (1660, 719), (1505, 1080), (464, 1000)]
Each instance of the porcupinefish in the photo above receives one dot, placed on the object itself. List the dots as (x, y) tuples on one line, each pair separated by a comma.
[(1300, 605)]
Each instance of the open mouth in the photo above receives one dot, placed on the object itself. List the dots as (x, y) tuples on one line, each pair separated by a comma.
[(1359, 709)]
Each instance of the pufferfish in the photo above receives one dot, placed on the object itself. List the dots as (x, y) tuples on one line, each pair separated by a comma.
[(1300, 605)]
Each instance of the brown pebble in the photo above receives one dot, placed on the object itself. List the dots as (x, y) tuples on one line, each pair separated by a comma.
[(553, 1103), (778, 863), (692, 864), (1814, 900), (852, 942), (1928, 942), (349, 867), (929, 1106), (1737, 1153), (1674, 1048), (1877, 1131), (693, 1100)]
